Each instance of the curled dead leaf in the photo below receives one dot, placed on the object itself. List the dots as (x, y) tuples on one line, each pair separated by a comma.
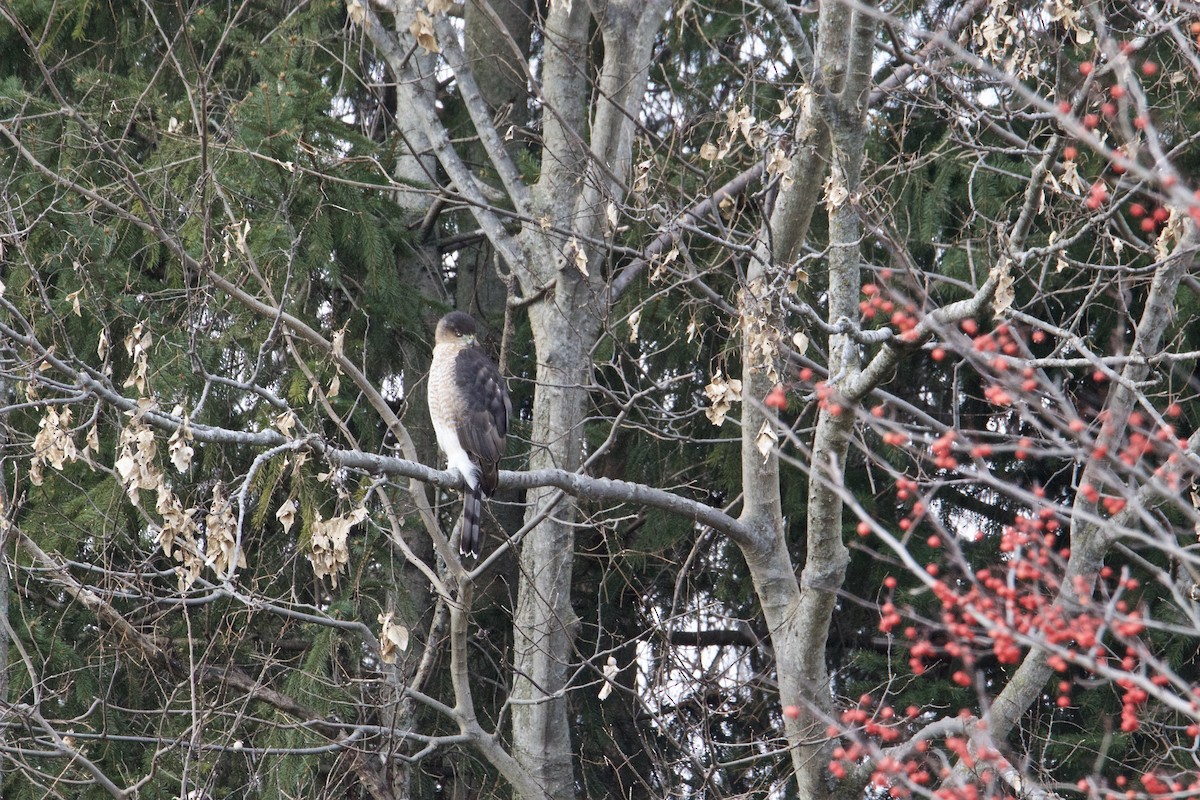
[(575, 253), (285, 422), (610, 673), (778, 162), (836, 192), (287, 515), (222, 550), (330, 550), (422, 30), (178, 448), (722, 394), (180, 452), (54, 444), (393, 638), (1005, 295), (766, 439), (641, 183)]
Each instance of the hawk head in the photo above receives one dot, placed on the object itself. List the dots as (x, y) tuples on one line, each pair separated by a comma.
[(456, 327)]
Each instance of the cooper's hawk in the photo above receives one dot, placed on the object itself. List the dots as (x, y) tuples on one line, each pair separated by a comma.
[(469, 406)]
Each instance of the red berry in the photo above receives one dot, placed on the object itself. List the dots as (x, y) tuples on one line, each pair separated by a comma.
[(791, 712), (1137, 210), (1149, 68), (776, 398), (1091, 121), (1070, 153), (1086, 68), (1117, 92)]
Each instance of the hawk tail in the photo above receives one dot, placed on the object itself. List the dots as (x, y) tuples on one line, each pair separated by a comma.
[(472, 538)]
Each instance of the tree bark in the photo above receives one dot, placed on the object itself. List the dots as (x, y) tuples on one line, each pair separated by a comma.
[(798, 612), (544, 624), (566, 325)]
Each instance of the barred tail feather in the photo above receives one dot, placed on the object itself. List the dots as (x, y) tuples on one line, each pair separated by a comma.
[(472, 537)]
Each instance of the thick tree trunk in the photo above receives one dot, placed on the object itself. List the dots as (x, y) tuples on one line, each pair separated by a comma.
[(544, 625), (566, 326), (798, 612)]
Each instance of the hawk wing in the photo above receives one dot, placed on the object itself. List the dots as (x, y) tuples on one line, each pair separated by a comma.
[(485, 411)]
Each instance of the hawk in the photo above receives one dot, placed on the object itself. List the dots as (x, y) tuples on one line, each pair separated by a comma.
[(469, 407)]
